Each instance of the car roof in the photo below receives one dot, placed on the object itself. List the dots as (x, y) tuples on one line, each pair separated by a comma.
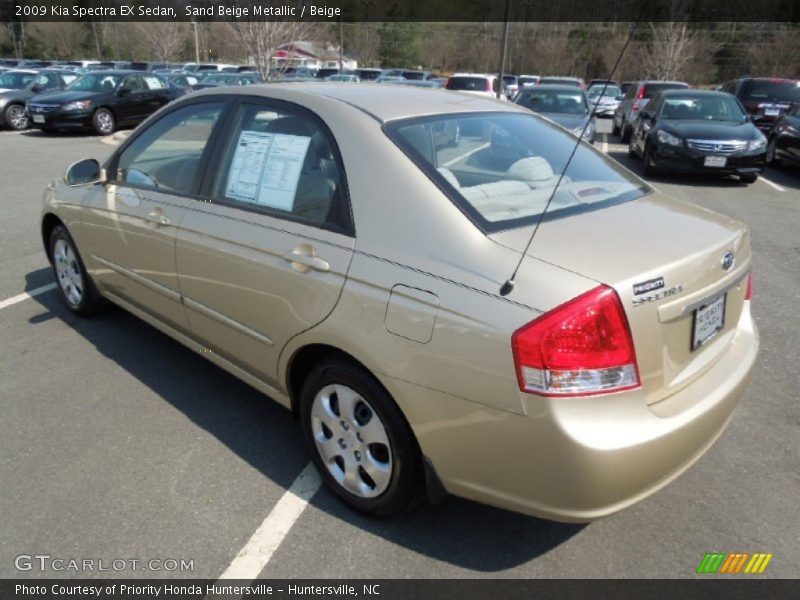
[(695, 93), (380, 101), (26, 71), (553, 87)]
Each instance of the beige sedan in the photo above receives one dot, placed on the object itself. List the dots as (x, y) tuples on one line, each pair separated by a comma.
[(342, 249)]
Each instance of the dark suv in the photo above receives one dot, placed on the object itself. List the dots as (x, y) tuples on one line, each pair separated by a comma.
[(765, 99), (636, 98)]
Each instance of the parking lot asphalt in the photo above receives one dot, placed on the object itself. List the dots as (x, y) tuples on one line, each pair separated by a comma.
[(117, 442)]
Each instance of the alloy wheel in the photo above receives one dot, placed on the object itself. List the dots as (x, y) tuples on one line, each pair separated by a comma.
[(16, 117), (68, 272)]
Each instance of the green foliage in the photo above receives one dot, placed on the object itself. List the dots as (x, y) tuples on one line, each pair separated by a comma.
[(399, 45)]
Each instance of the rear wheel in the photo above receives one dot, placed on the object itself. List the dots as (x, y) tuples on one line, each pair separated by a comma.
[(74, 283), (15, 117), (632, 150), (748, 177), (648, 168), (359, 440), (614, 128), (772, 159), (103, 121), (625, 132)]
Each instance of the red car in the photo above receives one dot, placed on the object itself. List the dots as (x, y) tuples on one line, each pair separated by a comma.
[(765, 99)]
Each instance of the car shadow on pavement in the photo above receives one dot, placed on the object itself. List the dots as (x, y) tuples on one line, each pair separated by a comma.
[(261, 432), (39, 133)]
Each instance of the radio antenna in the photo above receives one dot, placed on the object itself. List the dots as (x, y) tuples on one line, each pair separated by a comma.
[(506, 288)]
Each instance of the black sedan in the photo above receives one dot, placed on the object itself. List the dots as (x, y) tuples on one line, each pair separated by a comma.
[(12, 102), (698, 131), (101, 101), (784, 139)]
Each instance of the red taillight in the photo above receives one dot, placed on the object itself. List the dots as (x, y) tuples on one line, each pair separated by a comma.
[(749, 292), (641, 93), (581, 347), (447, 83)]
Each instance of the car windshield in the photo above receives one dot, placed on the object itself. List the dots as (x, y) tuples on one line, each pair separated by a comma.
[(11, 80), (219, 79), (469, 84), (781, 91), (554, 101), (501, 168), (91, 82), (708, 108), (612, 91), (651, 88)]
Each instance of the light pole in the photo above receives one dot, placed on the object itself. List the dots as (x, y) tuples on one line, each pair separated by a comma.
[(196, 43), (504, 49)]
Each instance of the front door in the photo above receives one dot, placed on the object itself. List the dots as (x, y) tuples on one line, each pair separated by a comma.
[(131, 223)]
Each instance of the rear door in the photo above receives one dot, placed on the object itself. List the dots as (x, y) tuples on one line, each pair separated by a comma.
[(130, 223), (265, 256)]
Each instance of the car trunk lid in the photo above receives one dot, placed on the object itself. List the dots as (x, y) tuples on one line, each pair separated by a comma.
[(665, 260)]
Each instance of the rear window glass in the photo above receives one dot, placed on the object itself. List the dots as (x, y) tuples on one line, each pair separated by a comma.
[(771, 91), (553, 101), (469, 84), (653, 88), (501, 168)]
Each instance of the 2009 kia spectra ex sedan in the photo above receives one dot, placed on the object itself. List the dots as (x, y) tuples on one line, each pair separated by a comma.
[(335, 247)]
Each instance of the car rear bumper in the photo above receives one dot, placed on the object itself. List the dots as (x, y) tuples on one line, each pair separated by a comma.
[(577, 459), (692, 161)]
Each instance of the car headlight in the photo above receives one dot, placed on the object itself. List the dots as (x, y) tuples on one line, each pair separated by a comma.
[(77, 105), (669, 139), (587, 133), (757, 144)]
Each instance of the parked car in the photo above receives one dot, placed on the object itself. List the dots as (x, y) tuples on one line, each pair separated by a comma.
[(564, 104), (510, 85), (101, 101), (636, 98), (573, 81), (698, 131), (362, 312), (474, 83), (183, 82), (426, 83), (601, 82), (415, 75), (390, 79), (604, 99), (368, 74), (16, 79), (344, 78), (766, 99), (12, 102), (326, 72), (220, 79), (525, 80), (625, 86), (193, 67), (784, 139)]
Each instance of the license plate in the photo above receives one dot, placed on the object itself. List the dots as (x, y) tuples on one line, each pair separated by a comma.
[(772, 112), (707, 321), (38, 119), (715, 161)]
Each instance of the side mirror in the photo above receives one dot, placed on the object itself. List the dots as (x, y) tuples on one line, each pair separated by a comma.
[(84, 172)]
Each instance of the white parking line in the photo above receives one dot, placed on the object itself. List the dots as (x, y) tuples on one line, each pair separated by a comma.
[(25, 295), (604, 145), (466, 155), (258, 551), (771, 183)]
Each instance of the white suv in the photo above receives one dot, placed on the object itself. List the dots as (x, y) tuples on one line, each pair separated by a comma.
[(473, 83)]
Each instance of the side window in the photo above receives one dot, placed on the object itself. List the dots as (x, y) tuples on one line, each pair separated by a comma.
[(153, 83), (283, 164), (134, 83), (166, 156)]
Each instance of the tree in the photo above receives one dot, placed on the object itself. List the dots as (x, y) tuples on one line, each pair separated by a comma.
[(165, 41), (260, 39), (399, 45)]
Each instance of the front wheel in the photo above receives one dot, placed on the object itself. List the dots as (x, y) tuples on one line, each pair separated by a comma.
[(15, 117), (648, 168), (103, 121), (748, 177), (772, 159), (624, 132), (74, 283), (632, 150), (359, 440)]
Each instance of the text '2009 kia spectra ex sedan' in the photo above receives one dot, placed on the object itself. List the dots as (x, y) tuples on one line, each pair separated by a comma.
[(335, 248)]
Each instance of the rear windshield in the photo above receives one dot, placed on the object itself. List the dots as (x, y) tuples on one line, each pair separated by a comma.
[(470, 84), (547, 80), (652, 88), (787, 91), (501, 168)]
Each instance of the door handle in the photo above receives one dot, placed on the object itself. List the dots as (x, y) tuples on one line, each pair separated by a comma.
[(157, 217), (304, 258)]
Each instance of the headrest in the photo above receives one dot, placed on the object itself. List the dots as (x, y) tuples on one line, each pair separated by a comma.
[(533, 168)]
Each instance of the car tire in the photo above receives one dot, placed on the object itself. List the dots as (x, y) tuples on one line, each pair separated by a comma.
[(342, 408), (632, 150), (73, 282), (614, 128), (15, 117), (647, 161), (748, 177), (771, 158), (625, 133), (103, 122)]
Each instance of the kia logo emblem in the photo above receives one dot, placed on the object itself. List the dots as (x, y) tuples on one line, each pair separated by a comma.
[(728, 261)]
